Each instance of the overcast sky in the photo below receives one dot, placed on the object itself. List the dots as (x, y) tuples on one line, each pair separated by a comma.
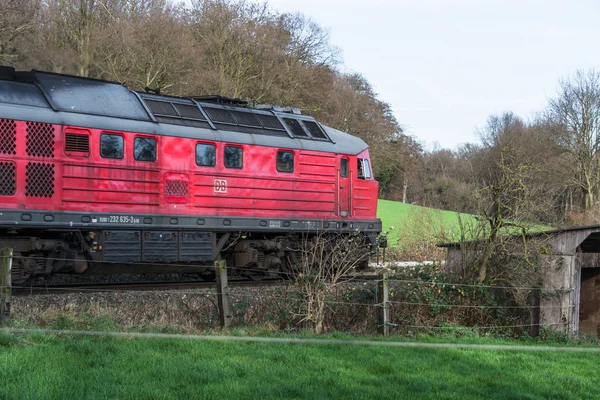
[(446, 65)]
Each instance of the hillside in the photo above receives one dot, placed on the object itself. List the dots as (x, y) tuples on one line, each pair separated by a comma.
[(405, 221), (408, 224)]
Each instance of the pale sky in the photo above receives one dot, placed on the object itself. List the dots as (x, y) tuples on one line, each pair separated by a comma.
[(446, 65)]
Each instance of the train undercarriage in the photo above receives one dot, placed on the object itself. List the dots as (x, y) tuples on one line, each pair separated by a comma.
[(254, 256)]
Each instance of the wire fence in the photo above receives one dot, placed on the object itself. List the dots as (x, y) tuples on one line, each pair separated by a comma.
[(373, 306), (441, 326), (59, 290), (288, 274)]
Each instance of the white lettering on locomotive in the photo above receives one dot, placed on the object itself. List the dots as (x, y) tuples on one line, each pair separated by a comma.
[(220, 186), (120, 219)]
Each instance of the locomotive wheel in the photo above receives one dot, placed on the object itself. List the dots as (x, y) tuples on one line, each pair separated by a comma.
[(19, 274), (256, 276), (208, 276)]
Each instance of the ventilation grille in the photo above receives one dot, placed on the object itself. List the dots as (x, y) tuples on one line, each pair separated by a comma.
[(8, 137), (295, 127), (162, 108), (219, 115), (77, 143), (192, 112), (39, 180), (40, 140), (246, 118), (314, 130), (270, 122), (176, 188), (8, 181)]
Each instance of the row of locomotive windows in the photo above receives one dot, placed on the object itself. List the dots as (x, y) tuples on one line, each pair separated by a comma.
[(206, 156), (144, 149)]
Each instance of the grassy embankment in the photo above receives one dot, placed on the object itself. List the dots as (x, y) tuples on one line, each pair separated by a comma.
[(399, 219), (51, 367), (412, 223)]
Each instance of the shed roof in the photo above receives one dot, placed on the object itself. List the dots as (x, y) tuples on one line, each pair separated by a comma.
[(585, 239)]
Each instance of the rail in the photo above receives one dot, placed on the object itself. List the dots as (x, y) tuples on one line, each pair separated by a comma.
[(130, 286)]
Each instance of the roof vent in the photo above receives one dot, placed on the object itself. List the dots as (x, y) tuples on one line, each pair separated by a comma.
[(271, 107), (221, 100)]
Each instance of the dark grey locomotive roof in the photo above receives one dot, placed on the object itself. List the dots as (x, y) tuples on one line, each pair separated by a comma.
[(70, 100)]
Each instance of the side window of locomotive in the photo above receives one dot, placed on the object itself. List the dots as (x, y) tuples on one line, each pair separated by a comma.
[(144, 149), (344, 167), (206, 156), (285, 161), (367, 169), (364, 170), (361, 172), (233, 157), (111, 146)]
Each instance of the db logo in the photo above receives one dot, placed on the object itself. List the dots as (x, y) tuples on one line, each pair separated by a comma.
[(220, 186)]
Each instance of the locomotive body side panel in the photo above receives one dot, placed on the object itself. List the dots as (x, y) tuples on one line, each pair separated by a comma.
[(50, 177)]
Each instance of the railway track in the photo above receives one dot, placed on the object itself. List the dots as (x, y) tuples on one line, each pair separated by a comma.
[(130, 286), (40, 289)]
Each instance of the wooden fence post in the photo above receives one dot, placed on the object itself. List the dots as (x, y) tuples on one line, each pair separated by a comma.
[(535, 314), (223, 294), (5, 285), (383, 317)]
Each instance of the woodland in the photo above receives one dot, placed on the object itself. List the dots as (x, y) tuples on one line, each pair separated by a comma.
[(542, 168)]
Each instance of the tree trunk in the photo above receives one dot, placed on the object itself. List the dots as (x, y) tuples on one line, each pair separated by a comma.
[(487, 252), (320, 317), (404, 189), (589, 199), (484, 263)]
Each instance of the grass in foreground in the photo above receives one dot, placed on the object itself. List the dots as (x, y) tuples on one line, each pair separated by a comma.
[(46, 366)]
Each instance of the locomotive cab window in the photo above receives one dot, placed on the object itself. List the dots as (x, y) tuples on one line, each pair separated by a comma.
[(367, 169), (285, 161), (234, 157), (206, 155), (111, 146), (364, 169), (144, 149), (344, 167)]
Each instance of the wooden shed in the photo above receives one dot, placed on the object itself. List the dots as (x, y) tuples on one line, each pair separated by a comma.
[(570, 270)]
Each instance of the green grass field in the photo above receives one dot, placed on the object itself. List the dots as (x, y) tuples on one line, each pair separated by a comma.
[(402, 220), (409, 222), (51, 367)]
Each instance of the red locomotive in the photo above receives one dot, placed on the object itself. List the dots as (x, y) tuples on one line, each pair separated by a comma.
[(97, 178)]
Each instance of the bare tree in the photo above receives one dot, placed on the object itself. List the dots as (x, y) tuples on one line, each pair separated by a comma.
[(512, 178), (325, 261), (577, 109), (240, 42), (78, 26), (501, 200), (17, 20), (149, 47)]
